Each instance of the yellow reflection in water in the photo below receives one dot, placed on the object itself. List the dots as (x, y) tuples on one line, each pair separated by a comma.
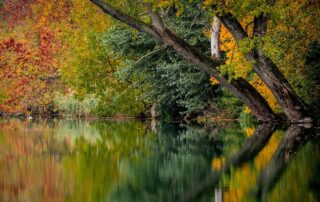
[(249, 131), (295, 182), (242, 180), (55, 161), (217, 163)]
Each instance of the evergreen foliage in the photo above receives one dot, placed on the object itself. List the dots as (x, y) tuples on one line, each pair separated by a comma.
[(313, 74), (171, 82)]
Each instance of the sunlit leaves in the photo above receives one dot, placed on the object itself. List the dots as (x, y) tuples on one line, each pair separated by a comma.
[(178, 5), (50, 42), (29, 59)]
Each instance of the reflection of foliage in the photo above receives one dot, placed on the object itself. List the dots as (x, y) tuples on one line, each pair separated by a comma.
[(301, 175), (78, 160), (242, 180), (177, 163), (179, 140), (98, 163), (160, 178), (64, 160)]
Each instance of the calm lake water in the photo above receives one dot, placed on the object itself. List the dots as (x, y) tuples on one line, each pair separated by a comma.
[(72, 160)]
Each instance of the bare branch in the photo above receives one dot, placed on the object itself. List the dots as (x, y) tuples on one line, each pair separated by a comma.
[(149, 54)]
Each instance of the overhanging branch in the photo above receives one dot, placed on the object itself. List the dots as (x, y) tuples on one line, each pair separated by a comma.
[(239, 87), (127, 19)]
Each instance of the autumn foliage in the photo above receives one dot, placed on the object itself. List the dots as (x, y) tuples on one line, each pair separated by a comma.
[(32, 52), (50, 46)]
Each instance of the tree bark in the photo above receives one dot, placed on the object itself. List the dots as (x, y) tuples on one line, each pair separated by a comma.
[(216, 54), (260, 26), (291, 104), (215, 37), (239, 87)]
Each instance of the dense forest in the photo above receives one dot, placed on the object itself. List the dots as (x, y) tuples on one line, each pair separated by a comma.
[(162, 58)]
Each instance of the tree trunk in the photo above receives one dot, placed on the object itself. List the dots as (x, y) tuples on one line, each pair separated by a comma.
[(251, 94), (215, 37), (239, 87), (291, 104)]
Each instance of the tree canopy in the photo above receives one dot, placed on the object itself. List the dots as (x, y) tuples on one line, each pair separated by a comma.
[(70, 57)]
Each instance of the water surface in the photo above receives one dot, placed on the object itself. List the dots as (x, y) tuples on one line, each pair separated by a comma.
[(77, 160)]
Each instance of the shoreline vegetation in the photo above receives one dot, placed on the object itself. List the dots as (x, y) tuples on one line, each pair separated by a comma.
[(199, 119), (195, 120)]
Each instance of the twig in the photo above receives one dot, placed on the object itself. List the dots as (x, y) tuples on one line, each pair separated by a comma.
[(149, 54)]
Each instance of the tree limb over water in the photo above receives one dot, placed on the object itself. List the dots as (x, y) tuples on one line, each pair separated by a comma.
[(239, 87)]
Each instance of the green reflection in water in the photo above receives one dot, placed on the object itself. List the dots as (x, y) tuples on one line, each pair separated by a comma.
[(76, 160), (301, 180)]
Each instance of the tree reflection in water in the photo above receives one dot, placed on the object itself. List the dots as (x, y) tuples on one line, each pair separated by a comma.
[(252, 146), (294, 139), (74, 160)]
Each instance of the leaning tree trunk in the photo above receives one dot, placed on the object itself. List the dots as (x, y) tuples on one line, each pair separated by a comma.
[(239, 87), (291, 104), (251, 92)]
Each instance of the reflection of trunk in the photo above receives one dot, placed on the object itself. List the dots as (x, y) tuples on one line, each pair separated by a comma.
[(294, 138), (154, 115), (248, 151), (291, 104), (239, 87), (218, 195), (153, 125), (252, 146)]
